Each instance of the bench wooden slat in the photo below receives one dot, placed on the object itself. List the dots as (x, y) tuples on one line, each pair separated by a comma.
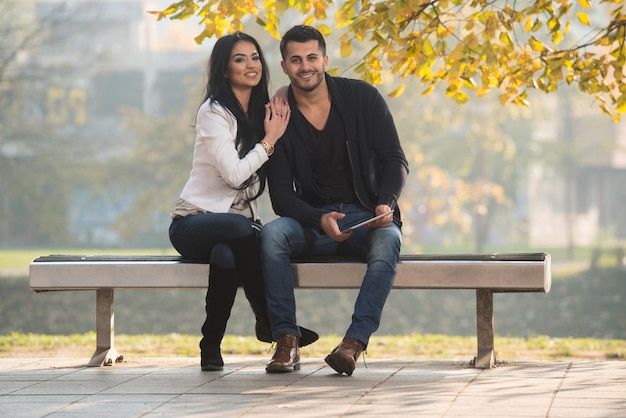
[(504, 274)]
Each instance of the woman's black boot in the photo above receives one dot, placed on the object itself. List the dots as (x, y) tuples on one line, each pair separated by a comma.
[(248, 267), (219, 300)]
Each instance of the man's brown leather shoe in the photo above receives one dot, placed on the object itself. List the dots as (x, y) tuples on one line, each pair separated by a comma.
[(343, 358), (287, 355)]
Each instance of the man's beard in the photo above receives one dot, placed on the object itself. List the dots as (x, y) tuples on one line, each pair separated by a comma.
[(312, 87)]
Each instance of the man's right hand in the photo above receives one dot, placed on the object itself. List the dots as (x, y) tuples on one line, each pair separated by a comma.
[(328, 224)]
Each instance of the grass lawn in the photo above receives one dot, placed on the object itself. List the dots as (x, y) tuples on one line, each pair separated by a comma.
[(417, 347), (20, 259)]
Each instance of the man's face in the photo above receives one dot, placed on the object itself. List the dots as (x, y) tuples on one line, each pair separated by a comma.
[(304, 64)]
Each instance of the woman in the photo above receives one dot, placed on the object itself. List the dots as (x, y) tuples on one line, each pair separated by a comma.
[(214, 219)]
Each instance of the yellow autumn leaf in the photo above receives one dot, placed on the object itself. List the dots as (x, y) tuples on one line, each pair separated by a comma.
[(397, 91), (443, 31), (584, 3), (423, 70), (557, 37), (583, 18), (343, 17), (374, 77), (325, 29), (471, 41), (319, 10), (482, 91), (304, 7), (606, 110), (428, 90), (346, 47), (528, 25), (461, 97), (200, 38), (505, 38), (457, 53), (535, 44), (427, 48)]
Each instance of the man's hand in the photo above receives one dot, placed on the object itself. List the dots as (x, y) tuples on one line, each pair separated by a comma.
[(328, 224), (384, 221)]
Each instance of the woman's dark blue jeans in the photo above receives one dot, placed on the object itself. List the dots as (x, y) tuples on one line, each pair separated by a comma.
[(229, 242), (205, 236)]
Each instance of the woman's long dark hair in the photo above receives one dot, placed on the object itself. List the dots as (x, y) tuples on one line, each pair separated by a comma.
[(250, 129)]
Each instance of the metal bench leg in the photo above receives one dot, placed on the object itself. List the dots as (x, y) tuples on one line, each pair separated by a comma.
[(105, 354), (486, 357)]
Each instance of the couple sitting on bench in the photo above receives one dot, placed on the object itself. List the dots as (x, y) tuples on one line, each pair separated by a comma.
[(335, 140)]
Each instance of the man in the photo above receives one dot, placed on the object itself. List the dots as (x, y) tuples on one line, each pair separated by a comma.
[(339, 163)]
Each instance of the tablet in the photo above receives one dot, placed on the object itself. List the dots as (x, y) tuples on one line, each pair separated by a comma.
[(352, 228)]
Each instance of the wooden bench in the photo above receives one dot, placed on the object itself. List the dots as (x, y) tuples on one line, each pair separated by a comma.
[(487, 274)]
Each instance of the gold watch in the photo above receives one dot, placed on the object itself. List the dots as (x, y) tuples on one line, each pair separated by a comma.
[(268, 148)]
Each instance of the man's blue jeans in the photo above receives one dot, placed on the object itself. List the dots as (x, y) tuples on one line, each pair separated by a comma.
[(285, 237)]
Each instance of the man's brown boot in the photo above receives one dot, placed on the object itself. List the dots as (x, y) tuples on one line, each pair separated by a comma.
[(343, 358), (287, 355)]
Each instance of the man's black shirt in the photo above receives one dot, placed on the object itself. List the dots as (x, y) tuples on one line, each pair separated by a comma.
[(330, 161)]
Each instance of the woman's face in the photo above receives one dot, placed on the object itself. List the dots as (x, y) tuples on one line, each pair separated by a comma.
[(244, 68)]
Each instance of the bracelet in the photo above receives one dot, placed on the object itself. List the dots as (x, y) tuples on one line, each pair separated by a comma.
[(268, 148)]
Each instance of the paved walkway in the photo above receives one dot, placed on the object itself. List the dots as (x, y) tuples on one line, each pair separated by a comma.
[(386, 388)]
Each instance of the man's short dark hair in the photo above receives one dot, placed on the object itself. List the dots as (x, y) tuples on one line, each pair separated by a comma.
[(302, 33)]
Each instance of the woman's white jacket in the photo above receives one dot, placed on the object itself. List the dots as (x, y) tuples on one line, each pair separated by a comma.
[(217, 171)]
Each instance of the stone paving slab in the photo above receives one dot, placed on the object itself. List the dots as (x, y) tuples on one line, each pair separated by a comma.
[(381, 388)]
